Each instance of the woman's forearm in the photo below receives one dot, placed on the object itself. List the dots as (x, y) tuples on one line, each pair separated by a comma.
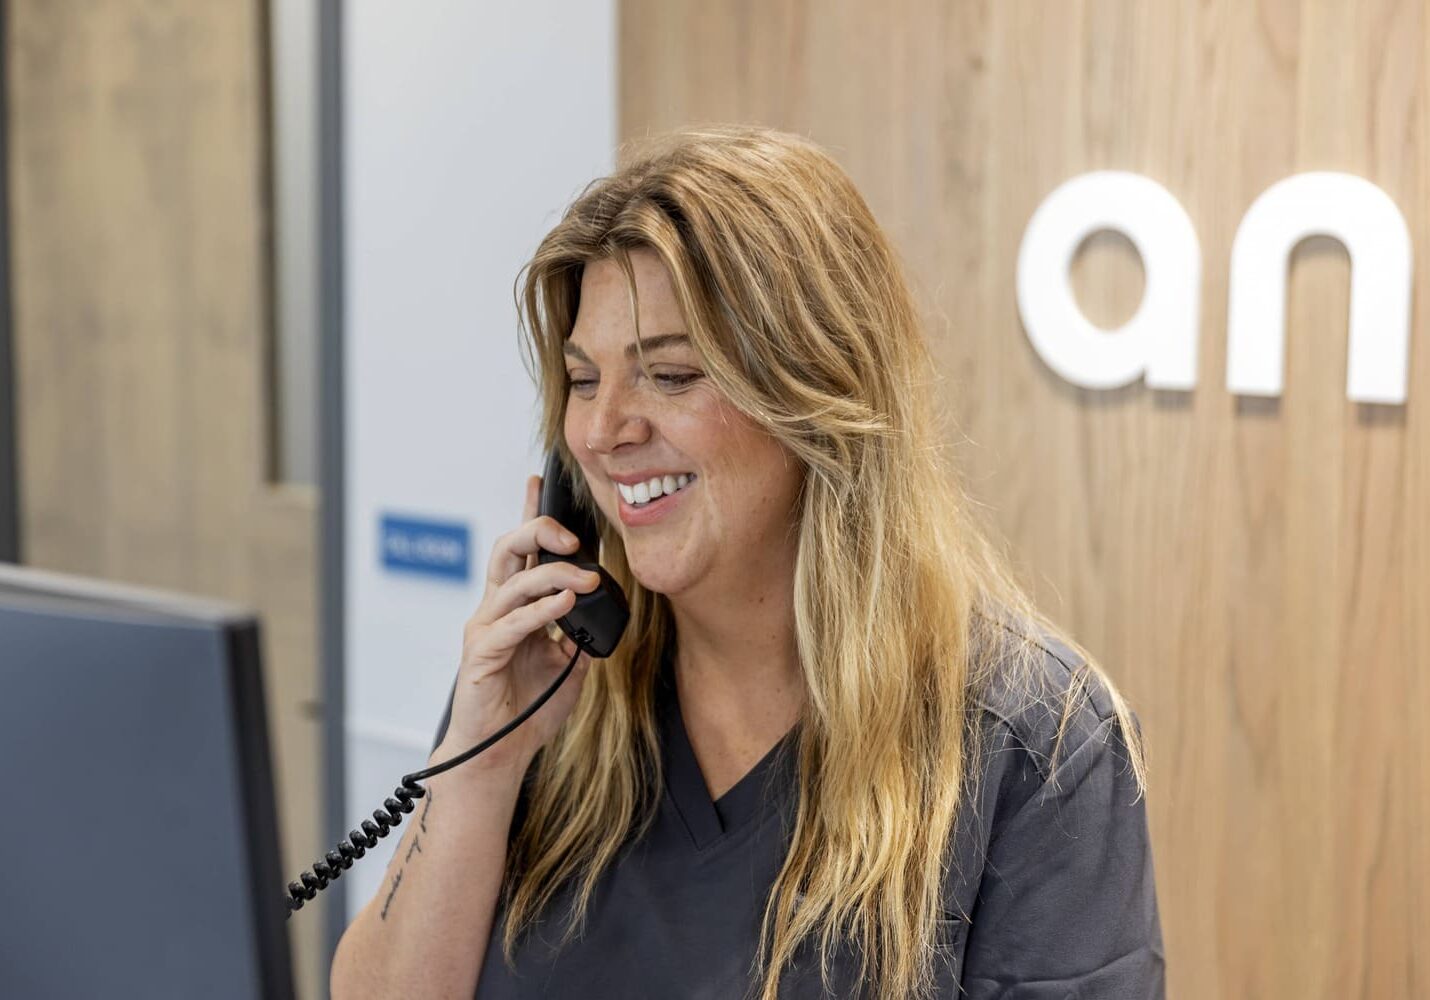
[(425, 932)]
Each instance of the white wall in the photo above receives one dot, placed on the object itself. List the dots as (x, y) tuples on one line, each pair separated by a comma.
[(468, 127)]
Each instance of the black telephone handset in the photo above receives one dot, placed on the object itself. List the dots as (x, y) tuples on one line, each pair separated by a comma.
[(595, 624), (598, 619)]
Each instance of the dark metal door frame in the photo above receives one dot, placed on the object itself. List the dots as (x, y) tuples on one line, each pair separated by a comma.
[(331, 439), (9, 469)]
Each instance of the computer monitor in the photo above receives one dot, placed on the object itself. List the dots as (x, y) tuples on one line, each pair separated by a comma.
[(139, 834)]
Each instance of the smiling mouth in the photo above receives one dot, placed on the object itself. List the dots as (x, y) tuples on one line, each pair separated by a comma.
[(641, 495)]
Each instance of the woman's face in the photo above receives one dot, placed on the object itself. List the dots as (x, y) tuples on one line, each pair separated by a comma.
[(735, 517)]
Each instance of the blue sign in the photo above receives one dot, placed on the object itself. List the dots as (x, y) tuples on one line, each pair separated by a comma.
[(433, 548)]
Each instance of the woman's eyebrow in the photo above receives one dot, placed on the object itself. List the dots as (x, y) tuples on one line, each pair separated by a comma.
[(650, 344)]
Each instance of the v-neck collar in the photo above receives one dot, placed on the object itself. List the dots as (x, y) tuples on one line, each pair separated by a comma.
[(763, 786)]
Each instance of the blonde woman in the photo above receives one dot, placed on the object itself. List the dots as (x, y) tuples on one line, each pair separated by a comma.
[(837, 752)]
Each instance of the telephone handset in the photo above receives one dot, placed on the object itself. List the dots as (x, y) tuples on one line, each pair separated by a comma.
[(598, 619), (595, 624)]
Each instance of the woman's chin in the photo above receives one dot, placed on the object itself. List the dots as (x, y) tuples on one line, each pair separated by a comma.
[(660, 579)]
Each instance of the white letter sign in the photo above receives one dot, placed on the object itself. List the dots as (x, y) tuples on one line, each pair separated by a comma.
[(1160, 340), (1366, 221)]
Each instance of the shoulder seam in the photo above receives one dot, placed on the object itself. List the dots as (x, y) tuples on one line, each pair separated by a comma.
[(1072, 669)]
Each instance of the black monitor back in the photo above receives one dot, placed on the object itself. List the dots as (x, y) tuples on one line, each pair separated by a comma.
[(140, 834)]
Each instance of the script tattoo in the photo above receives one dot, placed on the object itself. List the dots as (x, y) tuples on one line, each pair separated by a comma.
[(396, 881), (416, 847)]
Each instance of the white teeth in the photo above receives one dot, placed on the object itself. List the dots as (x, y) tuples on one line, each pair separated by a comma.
[(656, 486)]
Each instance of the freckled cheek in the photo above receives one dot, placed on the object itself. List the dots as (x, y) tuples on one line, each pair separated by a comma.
[(606, 500), (575, 432)]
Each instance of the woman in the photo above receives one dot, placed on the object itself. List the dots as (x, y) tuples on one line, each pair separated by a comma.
[(838, 751)]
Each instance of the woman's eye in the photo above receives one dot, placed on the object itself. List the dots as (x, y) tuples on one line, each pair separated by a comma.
[(669, 381), (676, 381)]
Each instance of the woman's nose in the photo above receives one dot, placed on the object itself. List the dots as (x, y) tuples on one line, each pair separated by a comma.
[(614, 420)]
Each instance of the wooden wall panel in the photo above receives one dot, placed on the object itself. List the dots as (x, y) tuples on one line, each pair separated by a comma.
[(1255, 573), (138, 142)]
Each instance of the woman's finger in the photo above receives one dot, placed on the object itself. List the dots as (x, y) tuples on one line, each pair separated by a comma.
[(531, 584), (516, 550), (508, 631)]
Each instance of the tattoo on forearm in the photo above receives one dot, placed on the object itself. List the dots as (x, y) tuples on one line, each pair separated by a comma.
[(396, 881), (422, 820), (415, 846)]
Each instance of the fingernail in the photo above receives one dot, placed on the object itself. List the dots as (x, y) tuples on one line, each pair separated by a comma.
[(567, 537)]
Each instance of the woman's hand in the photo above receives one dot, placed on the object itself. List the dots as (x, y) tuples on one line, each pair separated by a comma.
[(508, 659)]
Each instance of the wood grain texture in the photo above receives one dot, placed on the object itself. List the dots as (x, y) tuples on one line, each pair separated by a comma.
[(138, 143), (1254, 573)]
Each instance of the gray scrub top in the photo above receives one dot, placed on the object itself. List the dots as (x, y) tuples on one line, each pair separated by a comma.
[(1050, 893)]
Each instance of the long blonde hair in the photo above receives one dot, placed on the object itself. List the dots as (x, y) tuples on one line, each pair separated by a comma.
[(796, 303)]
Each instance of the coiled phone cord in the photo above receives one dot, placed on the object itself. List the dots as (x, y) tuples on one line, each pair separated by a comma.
[(338, 861)]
